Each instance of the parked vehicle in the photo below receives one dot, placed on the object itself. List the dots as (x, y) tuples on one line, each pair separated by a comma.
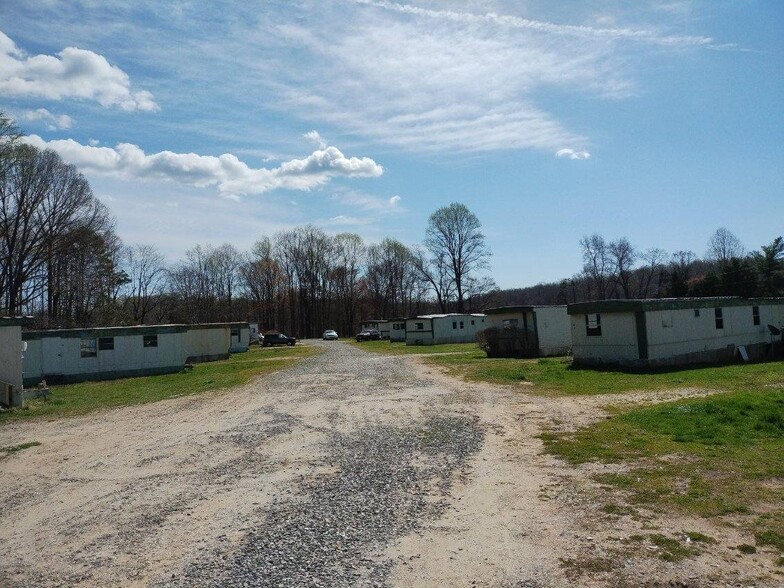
[(271, 339), (330, 335), (368, 335)]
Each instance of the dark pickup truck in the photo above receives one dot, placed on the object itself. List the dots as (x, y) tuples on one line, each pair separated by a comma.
[(271, 339)]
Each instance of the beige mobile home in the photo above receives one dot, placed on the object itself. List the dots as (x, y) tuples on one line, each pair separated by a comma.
[(392, 329), (397, 329), (11, 362), (435, 329), (74, 355), (213, 341), (539, 330), (673, 331)]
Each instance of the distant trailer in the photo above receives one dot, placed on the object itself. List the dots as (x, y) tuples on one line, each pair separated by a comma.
[(435, 329)]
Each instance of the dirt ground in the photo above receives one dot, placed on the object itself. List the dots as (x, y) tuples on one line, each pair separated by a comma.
[(192, 491)]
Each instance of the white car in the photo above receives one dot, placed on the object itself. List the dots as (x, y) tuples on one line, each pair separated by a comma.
[(330, 335)]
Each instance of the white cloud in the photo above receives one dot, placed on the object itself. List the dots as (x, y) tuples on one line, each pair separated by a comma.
[(446, 80), (72, 73), (343, 220), (53, 122), (615, 33), (232, 177), (572, 154), (316, 139), (394, 200)]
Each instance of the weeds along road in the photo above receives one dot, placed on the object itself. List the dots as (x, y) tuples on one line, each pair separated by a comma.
[(347, 469)]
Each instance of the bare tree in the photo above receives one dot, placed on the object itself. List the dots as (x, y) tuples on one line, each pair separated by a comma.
[(723, 246), (597, 264), (42, 200), (623, 257), (680, 272), (454, 239), (146, 270), (649, 275), (346, 275), (435, 272)]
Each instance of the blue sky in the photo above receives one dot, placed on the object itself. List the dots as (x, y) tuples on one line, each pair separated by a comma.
[(208, 122)]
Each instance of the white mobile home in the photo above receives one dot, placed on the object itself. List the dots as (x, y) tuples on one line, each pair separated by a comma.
[(539, 331), (11, 363), (435, 329), (74, 355), (673, 331)]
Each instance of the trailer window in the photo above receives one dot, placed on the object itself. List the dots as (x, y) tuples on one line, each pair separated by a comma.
[(88, 348), (454, 324), (509, 323), (420, 326), (151, 340), (719, 318), (593, 325), (755, 314), (106, 343)]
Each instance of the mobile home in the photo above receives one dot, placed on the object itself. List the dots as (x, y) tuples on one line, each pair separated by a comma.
[(539, 330), (435, 329), (371, 324), (674, 331), (393, 329), (74, 355), (11, 362)]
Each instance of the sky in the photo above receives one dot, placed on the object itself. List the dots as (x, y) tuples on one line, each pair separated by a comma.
[(211, 122)]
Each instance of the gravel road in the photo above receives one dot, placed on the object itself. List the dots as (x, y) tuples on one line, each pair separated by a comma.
[(345, 469)]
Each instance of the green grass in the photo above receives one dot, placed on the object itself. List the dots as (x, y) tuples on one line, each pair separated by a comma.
[(77, 399), (558, 376), (711, 456), (390, 348)]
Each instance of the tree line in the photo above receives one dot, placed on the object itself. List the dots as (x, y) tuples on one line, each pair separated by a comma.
[(615, 269), (62, 262)]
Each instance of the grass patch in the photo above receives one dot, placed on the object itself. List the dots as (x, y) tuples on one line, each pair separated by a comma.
[(747, 549), (389, 348), (14, 448), (84, 397), (710, 456), (700, 537), (671, 549), (558, 375)]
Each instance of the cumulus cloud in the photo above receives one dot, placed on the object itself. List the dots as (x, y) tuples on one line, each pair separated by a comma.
[(53, 122), (394, 200), (572, 154), (316, 139), (232, 177), (72, 73)]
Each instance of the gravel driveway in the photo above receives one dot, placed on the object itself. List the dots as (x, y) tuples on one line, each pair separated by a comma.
[(346, 469)]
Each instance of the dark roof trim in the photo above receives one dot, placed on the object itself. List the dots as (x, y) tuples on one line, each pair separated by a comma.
[(218, 325), (15, 321), (104, 332), (645, 305), (503, 309)]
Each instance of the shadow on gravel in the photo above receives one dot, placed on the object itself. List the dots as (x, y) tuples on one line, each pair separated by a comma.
[(389, 481)]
